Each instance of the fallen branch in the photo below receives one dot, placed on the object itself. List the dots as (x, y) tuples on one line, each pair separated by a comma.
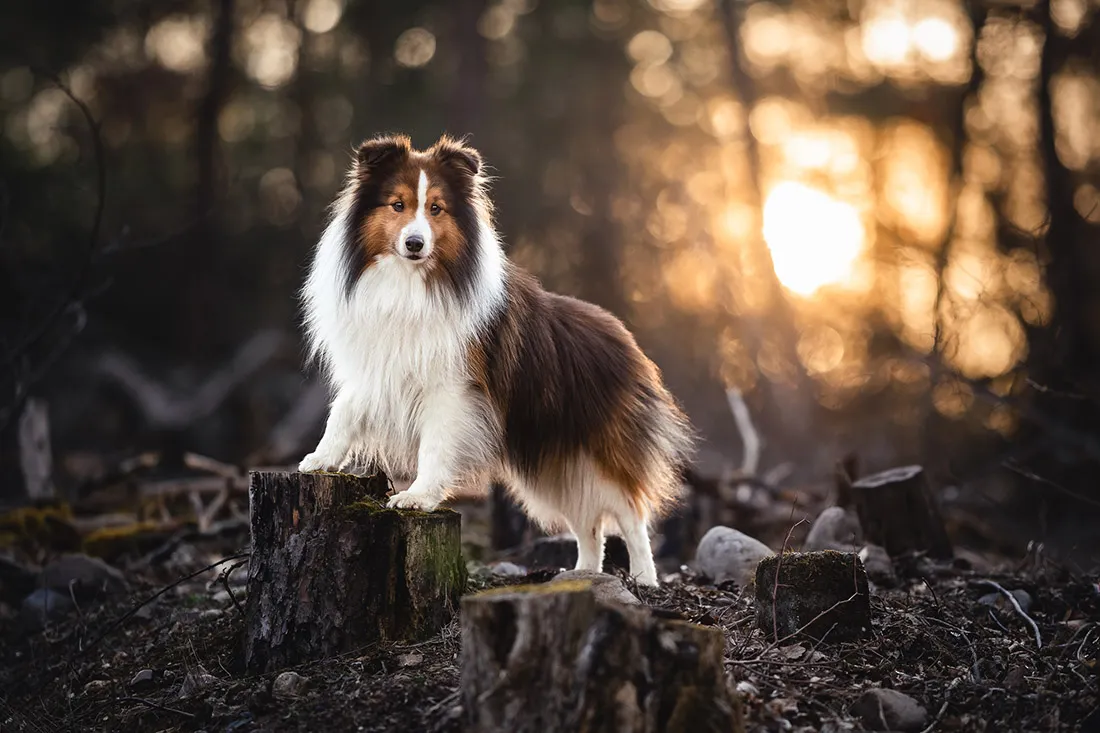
[(750, 439), (164, 407)]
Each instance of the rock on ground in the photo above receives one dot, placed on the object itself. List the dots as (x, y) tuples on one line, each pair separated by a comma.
[(726, 554), (289, 685), (889, 710), (43, 605), (608, 589), (834, 529), (87, 576)]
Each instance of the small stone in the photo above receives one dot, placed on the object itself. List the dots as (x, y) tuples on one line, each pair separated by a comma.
[(834, 529), (608, 589), (44, 605), (143, 680), (823, 595), (97, 687), (87, 576), (889, 710), (726, 554), (196, 681), (211, 613), (507, 569), (409, 660), (747, 689), (879, 566), (998, 600), (289, 685)]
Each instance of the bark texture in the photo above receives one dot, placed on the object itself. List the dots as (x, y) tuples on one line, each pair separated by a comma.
[(332, 569), (897, 511), (552, 658)]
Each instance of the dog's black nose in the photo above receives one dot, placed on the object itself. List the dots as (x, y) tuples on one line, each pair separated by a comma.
[(414, 243)]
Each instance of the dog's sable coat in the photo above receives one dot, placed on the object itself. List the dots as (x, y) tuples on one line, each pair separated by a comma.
[(449, 363)]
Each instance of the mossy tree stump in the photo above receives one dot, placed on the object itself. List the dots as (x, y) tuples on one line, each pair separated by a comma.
[(897, 511), (332, 569), (818, 595), (552, 658)]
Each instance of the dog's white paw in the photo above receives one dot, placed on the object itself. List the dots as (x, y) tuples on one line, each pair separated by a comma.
[(317, 461), (421, 500)]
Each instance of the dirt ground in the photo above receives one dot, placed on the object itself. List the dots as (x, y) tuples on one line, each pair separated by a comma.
[(967, 656)]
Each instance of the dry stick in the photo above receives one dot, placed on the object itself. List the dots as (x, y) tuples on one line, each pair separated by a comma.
[(943, 708), (225, 581), (157, 705), (158, 594), (1015, 604)]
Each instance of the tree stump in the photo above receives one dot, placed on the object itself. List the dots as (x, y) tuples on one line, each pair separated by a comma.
[(818, 595), (551, 658), (332, 569), (897, 511)]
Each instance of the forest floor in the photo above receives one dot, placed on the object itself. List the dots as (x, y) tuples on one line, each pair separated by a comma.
[(941, 635)]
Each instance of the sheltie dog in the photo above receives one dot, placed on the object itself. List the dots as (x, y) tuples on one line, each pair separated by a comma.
[(449, 363)]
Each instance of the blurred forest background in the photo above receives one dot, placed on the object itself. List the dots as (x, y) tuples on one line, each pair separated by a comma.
[(876, 219)]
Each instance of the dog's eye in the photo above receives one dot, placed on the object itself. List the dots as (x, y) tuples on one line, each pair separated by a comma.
[(398, 206), (435, 209)]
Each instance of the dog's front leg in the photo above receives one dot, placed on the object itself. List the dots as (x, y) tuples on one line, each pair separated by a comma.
[(455, 444), (340, 432)]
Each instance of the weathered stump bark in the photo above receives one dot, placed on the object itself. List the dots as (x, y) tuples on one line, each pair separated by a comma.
[(897, 511), (333, 569), (551, 658)]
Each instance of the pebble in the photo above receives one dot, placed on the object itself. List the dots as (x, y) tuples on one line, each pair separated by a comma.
[(879, 566), (87, 576), (834, 529), (142, 680), (197, 680), (508, 569), (726, 554), (607, 589), (289, 685), (998, 600), (97, 687), (43, 605), (889, 710)]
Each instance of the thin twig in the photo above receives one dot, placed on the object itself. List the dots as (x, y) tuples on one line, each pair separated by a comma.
[(161, 592), (943, 708), (225, 581), (1016, 605), (157, 706)]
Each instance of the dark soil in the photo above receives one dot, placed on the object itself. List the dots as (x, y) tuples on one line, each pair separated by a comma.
[(975, 666)]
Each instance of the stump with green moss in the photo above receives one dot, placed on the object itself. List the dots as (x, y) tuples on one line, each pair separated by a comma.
[(816, 595), (332, 569), (551, 657)]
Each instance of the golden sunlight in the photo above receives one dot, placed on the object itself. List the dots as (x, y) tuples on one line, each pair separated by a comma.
[(814, 239)]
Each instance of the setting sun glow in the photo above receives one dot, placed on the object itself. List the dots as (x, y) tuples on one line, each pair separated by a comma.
[(814, 239)]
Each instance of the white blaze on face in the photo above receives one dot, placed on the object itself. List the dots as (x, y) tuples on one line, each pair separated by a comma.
[(415, 240)]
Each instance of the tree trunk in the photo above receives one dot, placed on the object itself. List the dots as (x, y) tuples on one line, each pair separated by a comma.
[(332, 569), (550, 658), (897, 511)]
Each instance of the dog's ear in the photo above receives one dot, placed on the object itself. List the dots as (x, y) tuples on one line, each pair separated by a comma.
[(462, 157), (373, 153)]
